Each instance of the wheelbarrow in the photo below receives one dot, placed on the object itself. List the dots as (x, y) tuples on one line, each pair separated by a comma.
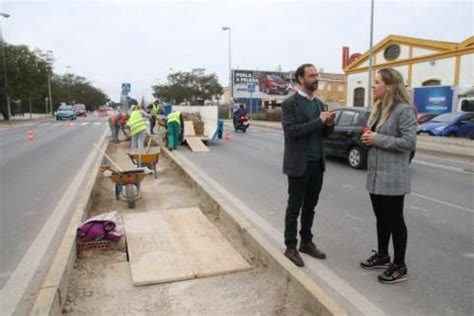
[(127, 184), (145, 158)]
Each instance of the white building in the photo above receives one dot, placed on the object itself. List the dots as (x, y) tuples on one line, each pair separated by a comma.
[(421, 62)]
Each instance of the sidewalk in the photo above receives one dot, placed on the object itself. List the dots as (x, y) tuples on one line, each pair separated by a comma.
[(25, 120), (100, 281), (461, 147)]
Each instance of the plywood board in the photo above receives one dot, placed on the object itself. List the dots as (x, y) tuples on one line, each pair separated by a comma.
[(189, 129), (206, 249), (154, 252), (196, 144)]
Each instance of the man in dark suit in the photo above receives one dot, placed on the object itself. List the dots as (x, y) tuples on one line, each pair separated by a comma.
[(306, 121)]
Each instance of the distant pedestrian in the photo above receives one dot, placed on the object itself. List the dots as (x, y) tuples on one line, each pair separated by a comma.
[(138, 123), (306, 122), (153, 112), (391, 136)]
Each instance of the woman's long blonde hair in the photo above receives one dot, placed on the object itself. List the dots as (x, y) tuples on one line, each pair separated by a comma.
[(395, 94)]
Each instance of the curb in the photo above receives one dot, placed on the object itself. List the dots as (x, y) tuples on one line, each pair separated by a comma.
[(315, 299), (53, 293)]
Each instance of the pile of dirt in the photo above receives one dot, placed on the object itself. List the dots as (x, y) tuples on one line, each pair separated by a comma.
[(197, 122)]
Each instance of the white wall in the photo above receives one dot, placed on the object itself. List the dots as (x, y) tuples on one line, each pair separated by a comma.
[(353, 83), (443, 69), (417, 52), (404, 71), (466, 70)]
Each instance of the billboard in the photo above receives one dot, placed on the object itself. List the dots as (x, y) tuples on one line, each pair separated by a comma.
[(265, 85), (435, 99)]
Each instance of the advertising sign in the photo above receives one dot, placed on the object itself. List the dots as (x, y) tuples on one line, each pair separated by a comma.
[(436, 99), (266, 85)]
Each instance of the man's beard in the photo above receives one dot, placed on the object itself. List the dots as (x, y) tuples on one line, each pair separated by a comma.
[(312, 86)]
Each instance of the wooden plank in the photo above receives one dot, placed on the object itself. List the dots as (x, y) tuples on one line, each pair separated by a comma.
[(154, 252), (189, 129), (206, 249), (196, 144)]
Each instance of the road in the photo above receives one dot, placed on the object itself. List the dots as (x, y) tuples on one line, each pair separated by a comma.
[(34, 176), (439, 216)]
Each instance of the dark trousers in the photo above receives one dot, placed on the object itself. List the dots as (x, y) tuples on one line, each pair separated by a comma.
[(303, 195), (152, 123), (390, 222)]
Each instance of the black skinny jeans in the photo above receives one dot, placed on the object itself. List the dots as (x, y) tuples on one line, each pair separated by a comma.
[(303, 194), (390, 222)]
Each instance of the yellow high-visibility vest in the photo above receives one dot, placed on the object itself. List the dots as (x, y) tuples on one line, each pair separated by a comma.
[(174, 117), (136, 122)]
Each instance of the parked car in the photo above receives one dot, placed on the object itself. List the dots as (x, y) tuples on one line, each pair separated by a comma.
[(80, 110), (345, 142), (422, 118), (65, 112), (456, 124), (273, 84)]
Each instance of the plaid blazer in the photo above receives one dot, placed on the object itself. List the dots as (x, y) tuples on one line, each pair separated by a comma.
[(388, 160)]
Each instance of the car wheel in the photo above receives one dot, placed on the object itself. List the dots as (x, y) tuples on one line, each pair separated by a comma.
[(451, 134), (357, 158)]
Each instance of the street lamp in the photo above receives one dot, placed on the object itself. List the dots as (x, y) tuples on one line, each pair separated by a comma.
[(371, 52), (68, 78), (227, 28), (9, 113), (48, 59)]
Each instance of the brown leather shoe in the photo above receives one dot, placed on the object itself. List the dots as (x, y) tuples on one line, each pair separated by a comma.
[(294, 256), (311, 249)]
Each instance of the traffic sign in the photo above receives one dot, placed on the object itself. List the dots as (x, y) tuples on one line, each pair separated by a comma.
[(126, 87), (251, 88)]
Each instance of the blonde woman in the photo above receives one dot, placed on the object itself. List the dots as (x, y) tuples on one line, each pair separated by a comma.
[(391, 136)]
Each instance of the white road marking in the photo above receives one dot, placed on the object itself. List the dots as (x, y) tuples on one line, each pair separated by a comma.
[(443, 202), (44, 124), (84, 123), (440, 166), (468, 255), (97, 123)]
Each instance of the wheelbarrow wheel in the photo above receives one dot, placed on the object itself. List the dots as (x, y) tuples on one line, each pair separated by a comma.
[(130, 195)]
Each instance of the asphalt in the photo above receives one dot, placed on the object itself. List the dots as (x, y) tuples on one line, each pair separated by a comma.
[(439, 216), (34, 176)]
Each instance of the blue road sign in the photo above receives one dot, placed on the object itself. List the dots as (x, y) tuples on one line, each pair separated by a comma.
[(126, 87), (251, 88)]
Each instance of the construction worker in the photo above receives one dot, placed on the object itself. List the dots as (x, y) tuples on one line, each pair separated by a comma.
[(116, 122), (138, 123), (173, 129), (153, 110)]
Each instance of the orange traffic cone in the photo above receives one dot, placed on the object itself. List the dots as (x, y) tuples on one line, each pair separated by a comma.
[(30, 136), (227, 135)]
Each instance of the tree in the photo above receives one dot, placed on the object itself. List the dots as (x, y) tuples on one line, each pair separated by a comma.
[(27, 73), (185, 86), (72, 89)]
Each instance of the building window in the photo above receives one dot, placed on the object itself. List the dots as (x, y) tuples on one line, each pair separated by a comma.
[(329, 87), (321, 85), (392, 52), (359, 96), (431, 82), (340, 88)]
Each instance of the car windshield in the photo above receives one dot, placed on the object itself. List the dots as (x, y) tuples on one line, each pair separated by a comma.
[(65, 108), (80, 107), (448, 117), (276, 78)]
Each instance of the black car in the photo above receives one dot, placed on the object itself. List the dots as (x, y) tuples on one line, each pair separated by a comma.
[(345, 142)]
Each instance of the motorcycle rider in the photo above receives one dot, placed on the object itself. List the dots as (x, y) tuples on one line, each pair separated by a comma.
[(241, 111)]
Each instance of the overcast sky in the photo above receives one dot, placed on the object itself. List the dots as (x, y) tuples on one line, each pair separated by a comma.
[(110, 42)]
